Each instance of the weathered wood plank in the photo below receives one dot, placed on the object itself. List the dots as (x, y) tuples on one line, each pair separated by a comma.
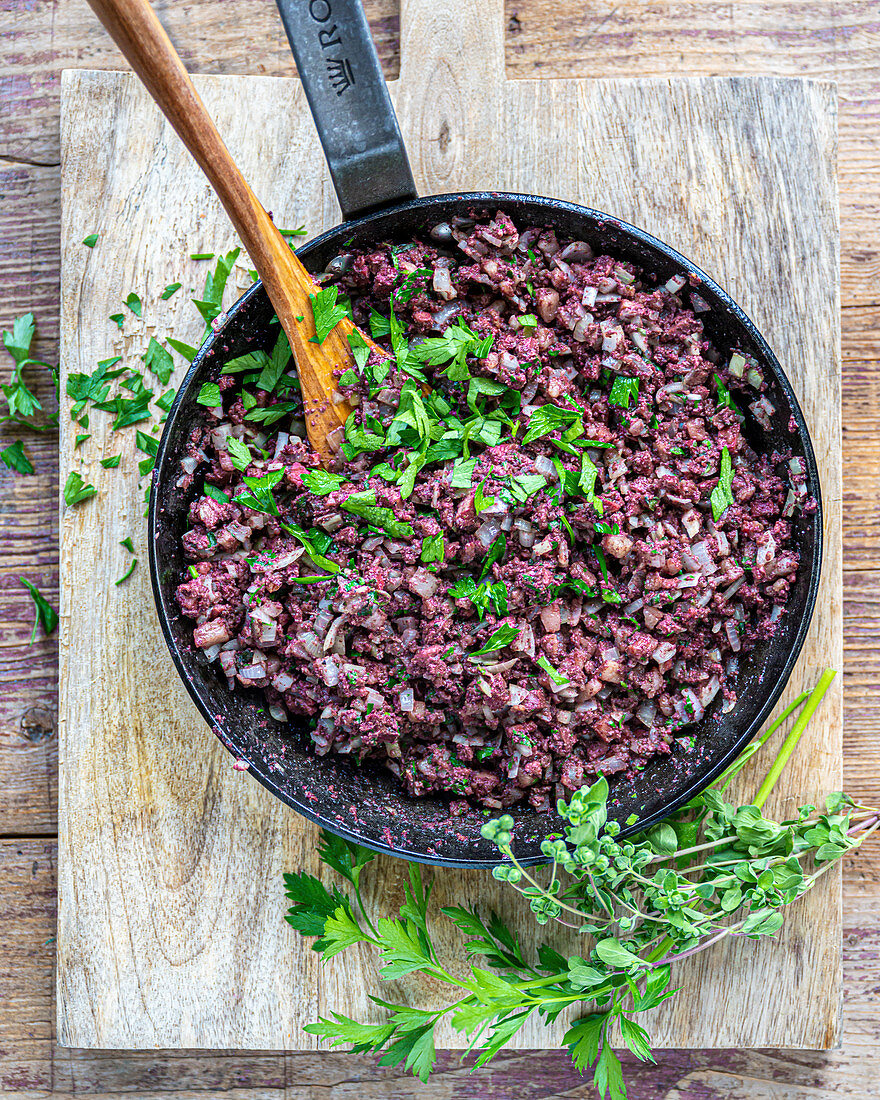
[(41, 38), (30, 209), (836, 41), (128, 779)]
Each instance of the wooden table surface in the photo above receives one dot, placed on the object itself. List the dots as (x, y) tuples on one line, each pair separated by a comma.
[(832, 39)]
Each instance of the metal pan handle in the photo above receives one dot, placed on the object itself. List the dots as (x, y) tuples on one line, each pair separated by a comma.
[(349, 100)]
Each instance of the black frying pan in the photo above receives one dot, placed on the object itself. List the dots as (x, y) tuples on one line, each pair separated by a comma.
[(358, 129)]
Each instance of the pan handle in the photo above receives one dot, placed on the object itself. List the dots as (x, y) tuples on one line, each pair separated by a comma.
[(350, 104)]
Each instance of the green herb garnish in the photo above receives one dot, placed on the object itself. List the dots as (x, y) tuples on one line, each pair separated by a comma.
[(502, 637), (722, 495), (215, 494), (239, 452), (187, 351), (159, 361), (433, 548), (551, 418), (558, 679), (210, 305), (320, 482), (360, 504), (46, 615), (127, 573), (259, 492), (209, 395), (15, 458), (327, 312), (76, 490), (622, 390)]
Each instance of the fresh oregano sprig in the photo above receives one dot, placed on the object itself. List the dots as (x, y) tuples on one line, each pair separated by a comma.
[(709, 872)]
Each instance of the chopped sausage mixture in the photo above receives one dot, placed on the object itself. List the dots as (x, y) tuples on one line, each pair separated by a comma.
[(545, 543)]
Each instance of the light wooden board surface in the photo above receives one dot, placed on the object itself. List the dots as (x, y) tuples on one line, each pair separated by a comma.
[(170, 902)]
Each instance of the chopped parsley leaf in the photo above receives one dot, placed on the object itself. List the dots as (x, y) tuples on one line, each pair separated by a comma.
[(158, 360), (558, 679), (147, 443), (15, 458), (502, 637), (134, 304), (327, 312), (46, 615), (259, 494), (275, 365), (377, 516), (550, 418), (496, 553), (314, 542), (481, 501), (623, 389), (76, 490), (128, 573), (433, 548), (209, 395), (239, 452), (725, 401), (462, 473), (186, 350), (320, 482), (215, 494), (722, 495), (91, 240), (211, 303)]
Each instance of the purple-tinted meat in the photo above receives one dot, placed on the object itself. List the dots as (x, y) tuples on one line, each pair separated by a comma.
[(530, 610)]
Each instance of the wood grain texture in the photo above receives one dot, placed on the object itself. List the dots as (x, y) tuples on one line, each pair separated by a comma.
[(170, 861), (32, 1067)]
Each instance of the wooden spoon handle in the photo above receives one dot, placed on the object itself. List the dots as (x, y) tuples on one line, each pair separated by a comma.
[(136, 30)]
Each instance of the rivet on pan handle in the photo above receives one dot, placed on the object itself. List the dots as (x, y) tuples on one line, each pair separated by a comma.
[(349, 101)]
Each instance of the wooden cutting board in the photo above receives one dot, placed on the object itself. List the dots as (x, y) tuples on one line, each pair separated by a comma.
[(170, 923)]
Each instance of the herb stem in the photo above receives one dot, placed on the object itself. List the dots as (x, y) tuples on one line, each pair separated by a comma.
[(737, 766), (506, 850), (363, 909), (794, 735)]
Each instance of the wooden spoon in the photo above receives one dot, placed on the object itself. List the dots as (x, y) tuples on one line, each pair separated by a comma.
[(134, 27)]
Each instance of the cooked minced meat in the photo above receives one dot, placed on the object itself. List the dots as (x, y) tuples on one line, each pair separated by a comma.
[(545, 544)]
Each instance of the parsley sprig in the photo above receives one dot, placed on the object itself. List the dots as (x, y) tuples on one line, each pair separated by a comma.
[(711, 872), (22, 403)]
